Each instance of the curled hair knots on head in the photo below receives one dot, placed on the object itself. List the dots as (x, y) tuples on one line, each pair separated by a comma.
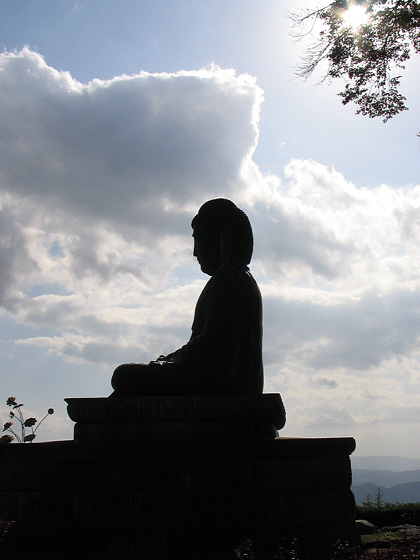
[(219, 213)]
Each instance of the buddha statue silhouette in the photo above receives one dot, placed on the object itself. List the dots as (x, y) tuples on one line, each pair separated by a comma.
[(224, 353)]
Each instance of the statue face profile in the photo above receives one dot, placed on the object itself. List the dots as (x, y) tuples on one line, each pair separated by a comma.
[(206, 250)]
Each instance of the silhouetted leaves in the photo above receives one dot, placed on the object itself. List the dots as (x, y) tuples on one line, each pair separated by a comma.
[(28, 423), (369, 57)]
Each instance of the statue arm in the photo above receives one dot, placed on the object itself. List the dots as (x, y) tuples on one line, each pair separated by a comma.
[(217, 323)]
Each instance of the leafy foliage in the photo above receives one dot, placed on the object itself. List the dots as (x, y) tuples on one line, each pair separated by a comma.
[(376, 502), (245, 550), (385, 544), (368, 57), (388, 514), (405, 549), (16, 414), (379, 499), (367, 502), (5, 527)]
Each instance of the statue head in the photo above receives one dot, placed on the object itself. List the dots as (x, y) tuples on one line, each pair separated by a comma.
[(222, 235)]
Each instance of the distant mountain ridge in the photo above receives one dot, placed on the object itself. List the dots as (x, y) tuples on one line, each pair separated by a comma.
[(401, 493), (397, 477), (384, 478), (390, 463)]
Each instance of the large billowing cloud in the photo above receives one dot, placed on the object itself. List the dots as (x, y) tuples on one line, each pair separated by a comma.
[(126, 150), (98, 185), (100, 177)]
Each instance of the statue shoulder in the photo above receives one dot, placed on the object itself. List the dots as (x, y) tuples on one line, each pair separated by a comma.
[(232, 278)]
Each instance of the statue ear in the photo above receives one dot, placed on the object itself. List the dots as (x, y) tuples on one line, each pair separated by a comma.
[(226, 247)]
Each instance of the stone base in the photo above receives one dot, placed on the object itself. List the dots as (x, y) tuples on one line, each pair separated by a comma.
[(181, 417), (169, 430), (174, 499)]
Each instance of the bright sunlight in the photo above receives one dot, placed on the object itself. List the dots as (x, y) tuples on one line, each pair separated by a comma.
[(355, 16)]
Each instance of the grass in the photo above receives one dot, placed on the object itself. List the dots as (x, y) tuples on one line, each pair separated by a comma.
[(382, 545)]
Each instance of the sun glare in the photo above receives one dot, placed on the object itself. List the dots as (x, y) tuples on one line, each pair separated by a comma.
[(355, 16)]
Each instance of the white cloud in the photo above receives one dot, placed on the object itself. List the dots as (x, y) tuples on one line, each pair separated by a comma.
[(134, 150), (15, 261), (98, 185), (357, 237), (100, 181)]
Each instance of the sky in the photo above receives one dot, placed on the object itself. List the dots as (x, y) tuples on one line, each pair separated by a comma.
[(119, 119)]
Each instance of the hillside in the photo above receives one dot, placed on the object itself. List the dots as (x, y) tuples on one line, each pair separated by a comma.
[(391, 463), (400, 493), (384, 478), (397, 477)]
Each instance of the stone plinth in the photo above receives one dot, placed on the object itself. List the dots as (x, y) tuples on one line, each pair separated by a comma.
[(176, 478), (175, 499), (180, 417)]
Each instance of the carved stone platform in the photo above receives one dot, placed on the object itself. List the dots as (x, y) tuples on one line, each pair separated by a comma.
[(175, 498), (181, 417)]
